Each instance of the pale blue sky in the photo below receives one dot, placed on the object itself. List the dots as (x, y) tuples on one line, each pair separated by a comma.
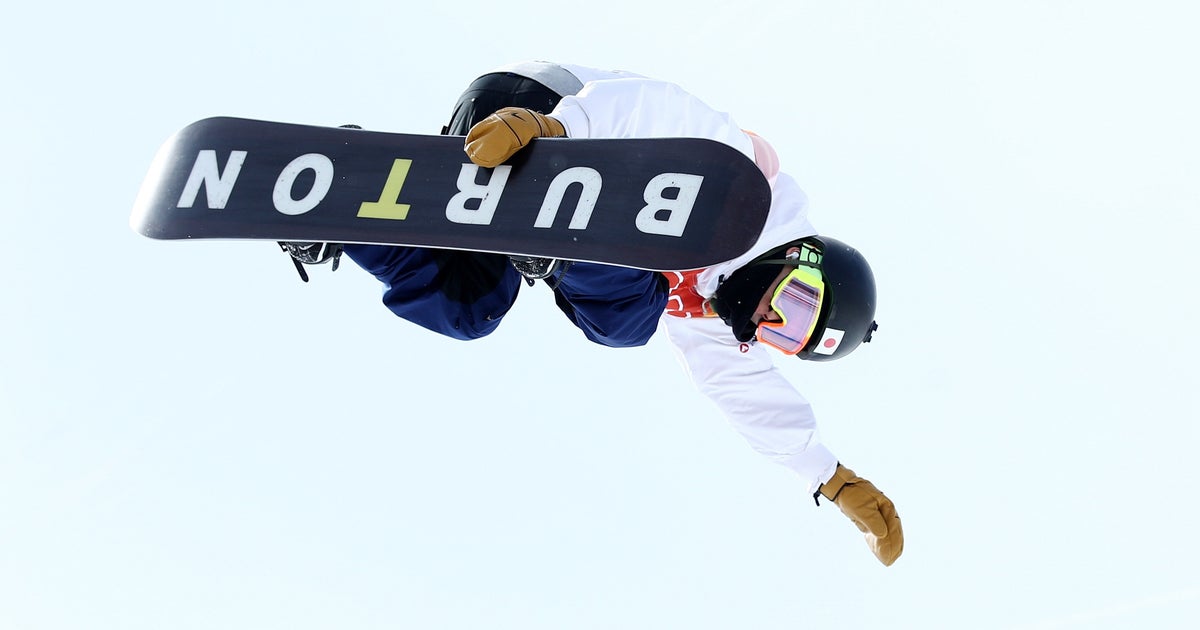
[(191, 438)]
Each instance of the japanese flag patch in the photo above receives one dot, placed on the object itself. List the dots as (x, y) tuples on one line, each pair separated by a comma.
[(830, 341)]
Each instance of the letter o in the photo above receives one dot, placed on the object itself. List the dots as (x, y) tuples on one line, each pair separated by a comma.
[(321, 166)]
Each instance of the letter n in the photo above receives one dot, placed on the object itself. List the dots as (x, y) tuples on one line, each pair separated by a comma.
[(217, 185)]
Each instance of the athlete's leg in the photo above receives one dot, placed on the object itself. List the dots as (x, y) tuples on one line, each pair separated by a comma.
[(613, 306)]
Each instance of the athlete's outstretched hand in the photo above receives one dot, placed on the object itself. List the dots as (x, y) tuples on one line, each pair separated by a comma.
[(496, 138), (870, 510)]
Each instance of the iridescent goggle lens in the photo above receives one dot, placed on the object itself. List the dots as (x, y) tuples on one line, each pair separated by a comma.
[(798, 301)]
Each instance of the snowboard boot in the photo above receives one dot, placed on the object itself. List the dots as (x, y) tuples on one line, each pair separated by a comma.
[(312, 254), (534, 268)]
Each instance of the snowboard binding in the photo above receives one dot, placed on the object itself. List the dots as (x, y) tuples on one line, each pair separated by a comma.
[(312, 254), (533, 268)]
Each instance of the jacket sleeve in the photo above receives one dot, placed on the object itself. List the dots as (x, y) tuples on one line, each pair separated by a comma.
[(754, 396), (746, 386)]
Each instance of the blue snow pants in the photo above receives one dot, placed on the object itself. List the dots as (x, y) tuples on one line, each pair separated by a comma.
[(464, 295)]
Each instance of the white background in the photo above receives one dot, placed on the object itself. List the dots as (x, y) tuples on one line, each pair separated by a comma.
[(190, 437)]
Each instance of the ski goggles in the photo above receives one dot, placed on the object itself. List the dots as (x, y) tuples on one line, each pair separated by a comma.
[(797, 300)]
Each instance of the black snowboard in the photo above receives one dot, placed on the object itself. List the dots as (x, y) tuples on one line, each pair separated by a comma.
[(660, 204)]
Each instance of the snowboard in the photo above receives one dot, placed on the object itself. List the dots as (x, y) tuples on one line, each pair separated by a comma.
[(659, 204)]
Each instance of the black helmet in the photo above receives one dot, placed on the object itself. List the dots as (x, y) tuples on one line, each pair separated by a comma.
[(847, 316)]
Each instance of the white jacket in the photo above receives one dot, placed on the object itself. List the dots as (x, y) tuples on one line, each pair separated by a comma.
[(740, 378)]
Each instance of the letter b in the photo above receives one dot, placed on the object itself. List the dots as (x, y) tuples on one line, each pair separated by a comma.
[(677, 211)]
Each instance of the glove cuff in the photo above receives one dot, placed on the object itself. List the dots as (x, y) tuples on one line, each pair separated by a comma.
[(549, 127), (832, 488)]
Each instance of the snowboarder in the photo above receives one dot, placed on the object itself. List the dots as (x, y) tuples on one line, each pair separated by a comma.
[(795, 291)]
